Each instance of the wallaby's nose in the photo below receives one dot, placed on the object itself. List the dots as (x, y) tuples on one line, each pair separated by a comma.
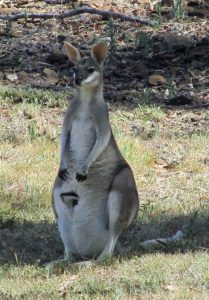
[(78, 80)]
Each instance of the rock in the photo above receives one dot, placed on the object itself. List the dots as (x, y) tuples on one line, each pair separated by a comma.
[(179, 100), (140, 70), (173, 41), (51, 76), (50, 73), (156, 80), (12, 77), (57, 56)]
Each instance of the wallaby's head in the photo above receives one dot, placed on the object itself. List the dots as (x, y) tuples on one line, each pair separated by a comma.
[(88, 70)]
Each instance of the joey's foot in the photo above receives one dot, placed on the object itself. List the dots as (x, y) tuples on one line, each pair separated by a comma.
[(63, 174), (81, 177)]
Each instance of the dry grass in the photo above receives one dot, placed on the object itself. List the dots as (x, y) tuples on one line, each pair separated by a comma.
[(171, 169)]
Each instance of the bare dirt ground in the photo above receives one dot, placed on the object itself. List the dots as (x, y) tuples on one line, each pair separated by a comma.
[(177, 50), (166, 64)]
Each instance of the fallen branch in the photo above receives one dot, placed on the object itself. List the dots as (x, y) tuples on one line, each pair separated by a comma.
[(75, 12), (162, 241), (58, 1)]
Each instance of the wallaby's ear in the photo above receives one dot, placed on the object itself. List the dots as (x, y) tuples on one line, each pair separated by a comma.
[(99, 53), (72, 52)]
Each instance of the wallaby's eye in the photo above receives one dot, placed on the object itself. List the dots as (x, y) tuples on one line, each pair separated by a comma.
[(91, 70)]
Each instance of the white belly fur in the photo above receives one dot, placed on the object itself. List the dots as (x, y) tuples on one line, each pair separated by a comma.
[(82, 227)]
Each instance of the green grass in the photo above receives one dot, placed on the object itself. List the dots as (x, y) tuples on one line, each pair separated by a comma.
[(170, 162), (31, 95)]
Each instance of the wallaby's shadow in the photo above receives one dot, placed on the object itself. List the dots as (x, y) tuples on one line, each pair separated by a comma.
[(29, 243), (39, 243)]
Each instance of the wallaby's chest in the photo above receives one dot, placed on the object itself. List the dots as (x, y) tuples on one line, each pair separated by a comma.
[(83, 134)]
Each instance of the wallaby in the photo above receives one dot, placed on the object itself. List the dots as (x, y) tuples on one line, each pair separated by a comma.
[(94, 195)]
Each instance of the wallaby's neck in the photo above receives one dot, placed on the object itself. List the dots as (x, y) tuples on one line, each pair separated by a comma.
[(94, 94)]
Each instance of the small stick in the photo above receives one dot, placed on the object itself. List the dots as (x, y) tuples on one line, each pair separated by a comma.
[(162, 241), (58, 1)]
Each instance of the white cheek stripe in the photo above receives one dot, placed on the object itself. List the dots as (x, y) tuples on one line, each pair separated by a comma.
[(91, 78)]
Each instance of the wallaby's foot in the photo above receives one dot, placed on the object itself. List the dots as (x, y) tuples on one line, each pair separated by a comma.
[(119, 251), (83, 264), (63, 174), (59, 266), (122, 250)]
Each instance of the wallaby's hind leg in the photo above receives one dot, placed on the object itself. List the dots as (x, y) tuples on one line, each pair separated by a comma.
[(122, 207)]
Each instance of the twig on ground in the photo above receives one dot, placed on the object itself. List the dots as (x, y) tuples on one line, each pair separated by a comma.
[(58, 1), (75, 12), (163, 241)]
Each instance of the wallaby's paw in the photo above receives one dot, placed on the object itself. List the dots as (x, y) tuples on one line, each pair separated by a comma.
[(80, 177), (63, 174), (82, 172)]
